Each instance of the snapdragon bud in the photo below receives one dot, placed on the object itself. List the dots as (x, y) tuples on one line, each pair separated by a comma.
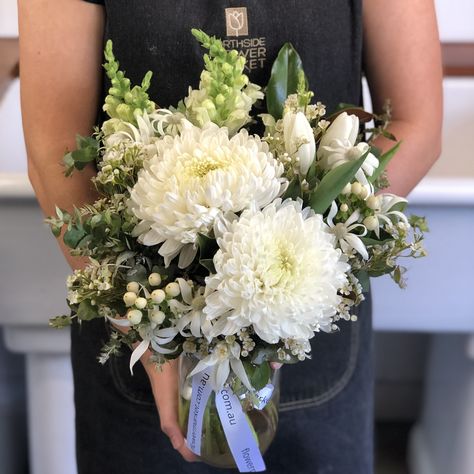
[(154, 279), (172, 289), (133, 286), (134, 316), (140, 303), (157, 316), (129, 298), (158, 296)]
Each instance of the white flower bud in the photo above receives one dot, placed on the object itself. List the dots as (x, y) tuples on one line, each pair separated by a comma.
[(134, 316), (371, 223), (158, 296), (344, 207), (157, 316), (172, 289), (356, 188), (364, 192), (129, 298), (133, 287), (140, 303), (154, 279), (373, 202)]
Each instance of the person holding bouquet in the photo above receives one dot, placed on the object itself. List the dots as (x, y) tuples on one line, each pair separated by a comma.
[(326, 419)]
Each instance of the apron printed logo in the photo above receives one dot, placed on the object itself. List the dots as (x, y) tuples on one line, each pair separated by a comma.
[(236, 21)]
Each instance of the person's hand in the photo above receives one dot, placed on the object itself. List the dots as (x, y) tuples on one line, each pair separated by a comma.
[(164, 385)]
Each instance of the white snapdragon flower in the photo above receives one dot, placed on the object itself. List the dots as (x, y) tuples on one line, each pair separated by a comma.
[(337, 146), (278, 271), (299, 140), (192, 179), (344, 232)]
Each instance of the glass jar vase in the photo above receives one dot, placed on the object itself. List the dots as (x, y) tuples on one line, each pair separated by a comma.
[(260, 409)]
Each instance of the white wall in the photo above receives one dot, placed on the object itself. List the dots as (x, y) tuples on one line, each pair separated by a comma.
[(456, 20)]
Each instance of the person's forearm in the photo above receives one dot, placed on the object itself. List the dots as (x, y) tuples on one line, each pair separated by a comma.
[(418, 151)]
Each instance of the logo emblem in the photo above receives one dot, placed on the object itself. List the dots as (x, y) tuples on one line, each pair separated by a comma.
[(236, 21)]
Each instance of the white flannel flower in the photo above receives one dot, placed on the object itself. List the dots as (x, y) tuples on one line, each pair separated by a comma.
[(337, 146), (224, 356), (192, 179), (278, 271), (383, 214), (344, 232)]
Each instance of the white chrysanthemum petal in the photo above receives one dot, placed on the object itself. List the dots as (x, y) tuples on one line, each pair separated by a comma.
[(277, 270), (195, 177)]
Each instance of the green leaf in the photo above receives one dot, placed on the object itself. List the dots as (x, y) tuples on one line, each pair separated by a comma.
[(208, 263), (364, 280), (368, 241), (259, 375), (73, 236), (283, 79), (333, 183), (137, 273), (59, 322), (207, 246), (86, 312), (294, 189), (384, 160)]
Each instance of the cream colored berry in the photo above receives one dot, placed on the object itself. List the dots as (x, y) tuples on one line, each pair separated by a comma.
[(373, 202), (346, 189), (129, 298), (356, 188), (134, 287), (364, 192), (140, 303), (158, 296), (172, 289), (154, 279), (157, 316), (344, 207), (371, 222), (134, 316)]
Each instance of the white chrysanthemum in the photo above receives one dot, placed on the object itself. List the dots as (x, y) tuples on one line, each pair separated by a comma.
[(193, 178), (277, 270)]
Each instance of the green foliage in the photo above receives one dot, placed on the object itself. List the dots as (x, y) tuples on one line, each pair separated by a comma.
[(60, 322), (384, 160), (294, 189), (333, 183), (86, 311), (122, 102), (87, 152), (285, 78), (259, 375), (207, 249)]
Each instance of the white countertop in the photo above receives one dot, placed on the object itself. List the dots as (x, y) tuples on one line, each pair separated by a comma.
[(430, 191)]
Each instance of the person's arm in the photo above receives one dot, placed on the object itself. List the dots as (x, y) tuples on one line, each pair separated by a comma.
[(403, 64), (60, 78)]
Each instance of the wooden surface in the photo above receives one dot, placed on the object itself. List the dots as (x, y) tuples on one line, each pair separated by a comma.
[(458, 59)]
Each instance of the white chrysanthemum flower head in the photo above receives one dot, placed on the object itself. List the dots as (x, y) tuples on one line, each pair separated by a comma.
[(277, 270), (193, 178)]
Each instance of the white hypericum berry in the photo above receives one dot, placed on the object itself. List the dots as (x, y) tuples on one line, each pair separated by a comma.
[(140, 303), (373, 202), (346, 189), (356, 188), (129, 298), (344, 207), (134, 316), (157, 316), (371, 223), (158, 296), (154, 279), (134, 287), (172, 289)]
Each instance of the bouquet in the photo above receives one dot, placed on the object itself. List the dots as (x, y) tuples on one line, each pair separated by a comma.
[(228, 249)]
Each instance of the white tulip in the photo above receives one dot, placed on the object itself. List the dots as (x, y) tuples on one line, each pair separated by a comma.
[(337, 146), (299, 140)]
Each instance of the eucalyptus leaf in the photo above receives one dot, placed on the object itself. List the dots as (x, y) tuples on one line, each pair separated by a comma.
[(86, 312), (283, 79), (364, 280), (208, 263), (294, 189), (259, 375), (384, 160), (73, 236), (333, 183)]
